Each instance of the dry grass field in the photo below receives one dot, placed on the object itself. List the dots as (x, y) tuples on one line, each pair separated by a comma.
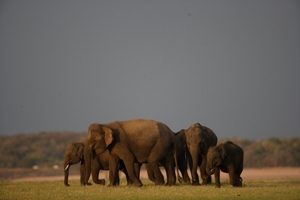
[(265, 183)]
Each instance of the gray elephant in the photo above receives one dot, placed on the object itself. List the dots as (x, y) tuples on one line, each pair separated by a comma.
[(134, 141), (75, 154), (227, 157), (198, 139)]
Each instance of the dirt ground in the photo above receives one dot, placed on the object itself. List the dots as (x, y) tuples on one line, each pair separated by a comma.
[(248, 174)]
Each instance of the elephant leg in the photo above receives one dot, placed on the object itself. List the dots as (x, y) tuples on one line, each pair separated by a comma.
[(234, 179), (95, 176), (129, 182), (128, 160), (158, 177), (185, 176), (150, 173), (240, 180), (130, 169), (113, 171), (237, 180), (87, 163), (182, 167), (137, 169), (217, 177), (204, 176), (82, 173), (66, 179), (194, 163), (170, 170), (123, 169), (190, 163)]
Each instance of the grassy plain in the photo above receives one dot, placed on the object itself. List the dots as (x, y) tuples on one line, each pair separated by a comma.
[(258, 184)]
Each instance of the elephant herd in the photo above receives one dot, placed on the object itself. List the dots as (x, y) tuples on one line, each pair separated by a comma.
[(126, 145)]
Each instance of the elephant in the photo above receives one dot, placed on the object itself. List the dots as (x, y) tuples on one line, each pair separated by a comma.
[(75, 154), (198, 139), (227, 157), (181, 157), (134, 141)]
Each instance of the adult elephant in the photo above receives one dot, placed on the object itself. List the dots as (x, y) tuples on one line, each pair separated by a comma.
[(134, 141), (181, 157), (75, 154), (198, 139), (227, 157)]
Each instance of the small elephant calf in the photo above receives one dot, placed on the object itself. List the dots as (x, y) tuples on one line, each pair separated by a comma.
[(75, 154), (227, 157)]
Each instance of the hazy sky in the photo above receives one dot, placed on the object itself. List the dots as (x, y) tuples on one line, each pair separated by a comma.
[(231, 65)]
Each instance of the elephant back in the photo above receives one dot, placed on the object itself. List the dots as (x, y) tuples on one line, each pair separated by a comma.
[(210, 137)]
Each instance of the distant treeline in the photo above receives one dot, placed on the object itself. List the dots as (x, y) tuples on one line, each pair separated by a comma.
[(47, 149)]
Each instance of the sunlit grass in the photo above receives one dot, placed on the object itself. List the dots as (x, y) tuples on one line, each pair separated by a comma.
[(270, 189)]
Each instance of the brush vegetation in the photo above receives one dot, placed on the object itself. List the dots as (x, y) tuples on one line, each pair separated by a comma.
[(47, 149)]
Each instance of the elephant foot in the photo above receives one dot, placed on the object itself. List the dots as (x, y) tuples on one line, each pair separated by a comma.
[(169, 184), (237, 185), (100, 182), (206, 182), (218, 185), (195, 183), (88, 184), (180, 180), (137, 184), (161, 183), (67, 184)]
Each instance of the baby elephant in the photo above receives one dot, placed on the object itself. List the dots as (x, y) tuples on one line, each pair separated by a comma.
[(227, 157), (74, 155)]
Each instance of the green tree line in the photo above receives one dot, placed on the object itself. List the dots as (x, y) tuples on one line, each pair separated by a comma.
[(47, 149)]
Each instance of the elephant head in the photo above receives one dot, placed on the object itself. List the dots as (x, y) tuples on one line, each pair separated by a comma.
[(73, 155), (99, 139), (198, 139), (195, 145), (215, 157)]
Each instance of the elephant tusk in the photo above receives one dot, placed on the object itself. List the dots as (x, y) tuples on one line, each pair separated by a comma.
[(212, 170), (67, 167)]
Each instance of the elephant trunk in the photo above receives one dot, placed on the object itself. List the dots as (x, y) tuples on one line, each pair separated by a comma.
[(66, 171), (195, 162)]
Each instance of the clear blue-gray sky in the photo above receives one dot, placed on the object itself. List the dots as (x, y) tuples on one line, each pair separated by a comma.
[(231, 65)]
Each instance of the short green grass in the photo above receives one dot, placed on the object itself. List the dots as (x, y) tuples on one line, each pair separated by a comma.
[(269, 189)]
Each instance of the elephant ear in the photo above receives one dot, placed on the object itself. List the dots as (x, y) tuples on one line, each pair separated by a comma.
[(80, 149), (203, 147), (108, 137), (222, 152)]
